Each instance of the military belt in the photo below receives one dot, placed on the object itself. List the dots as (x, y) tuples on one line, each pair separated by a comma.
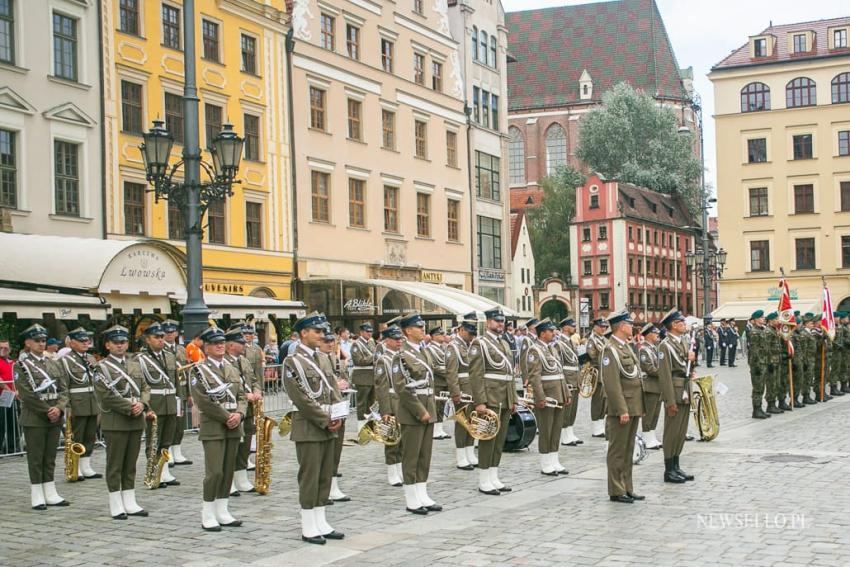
[(463, 374), (502, 377), (229, 405), (362, 367), (423, 391), (163, 391), (552, 377), (49, 396), (81, 390), (570, 368), (391, 391)]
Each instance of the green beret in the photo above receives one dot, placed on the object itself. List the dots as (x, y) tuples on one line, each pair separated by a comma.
[(772, 315), (757, 314), (807, 317), (797, 312)]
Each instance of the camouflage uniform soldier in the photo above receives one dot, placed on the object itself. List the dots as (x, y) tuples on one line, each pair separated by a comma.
[(757, 359), (822, 360), (838, 370), (798, 339)]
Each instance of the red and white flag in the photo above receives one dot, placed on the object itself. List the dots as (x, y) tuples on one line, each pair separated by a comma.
[(786, 313), (827, 319)]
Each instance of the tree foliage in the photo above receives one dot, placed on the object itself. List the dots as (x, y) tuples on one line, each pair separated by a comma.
[(548, 224), (630, 138)]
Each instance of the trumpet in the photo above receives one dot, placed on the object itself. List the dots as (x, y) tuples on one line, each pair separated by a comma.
[(445, 396), (529, 403)]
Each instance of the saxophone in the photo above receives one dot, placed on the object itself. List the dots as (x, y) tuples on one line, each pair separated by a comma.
[(73, 452), (263, 460), (155, 463)]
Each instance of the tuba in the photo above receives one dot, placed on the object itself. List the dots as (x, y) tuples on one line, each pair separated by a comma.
[(263, 470), (73, 452), (386, 432), (284, 426), (704, 406), (156, 462), (588, 380), (482, 426)]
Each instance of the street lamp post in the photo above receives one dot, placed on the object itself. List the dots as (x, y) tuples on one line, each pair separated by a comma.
[(192, 196)]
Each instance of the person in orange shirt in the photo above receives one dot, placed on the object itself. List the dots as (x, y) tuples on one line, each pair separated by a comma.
[(194, 349)]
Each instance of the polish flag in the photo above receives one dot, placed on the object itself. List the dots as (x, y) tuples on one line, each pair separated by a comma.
[(786, 313), (827, 320)]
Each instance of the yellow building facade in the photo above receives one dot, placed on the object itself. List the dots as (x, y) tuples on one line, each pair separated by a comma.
[(241, 78), (782, 115)]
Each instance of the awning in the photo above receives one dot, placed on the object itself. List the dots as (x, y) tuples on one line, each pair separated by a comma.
[(242, 306), (742, 310), (28, 304)]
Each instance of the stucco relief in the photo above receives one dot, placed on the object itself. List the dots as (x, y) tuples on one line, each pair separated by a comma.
[(396, 253), (457, 80), (442, 9), (300, 15)]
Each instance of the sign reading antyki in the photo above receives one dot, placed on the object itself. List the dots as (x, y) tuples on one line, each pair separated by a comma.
[(231, 289), (432, 277)]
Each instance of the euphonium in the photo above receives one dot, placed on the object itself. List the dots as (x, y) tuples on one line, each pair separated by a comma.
[(155, 463), (73, 452), (481, 425), (263, 462), (704, 406), (384, 431), (588, 380), (284, 426)]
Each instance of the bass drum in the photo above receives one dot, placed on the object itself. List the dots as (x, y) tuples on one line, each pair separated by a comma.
[(521, 430)]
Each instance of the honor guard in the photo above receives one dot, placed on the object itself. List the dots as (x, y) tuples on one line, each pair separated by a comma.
[(171, 329), (620, 376), (124, 396), (437, 351), (798, 340), (217, 390), (757, 361), (329, 363), (159, 367), (413, 381), (44, 397), (673, 357), (595, 345), (649, 362), (491, 378), (457, 379), (252, 389), (392, 339), (810, 355), (363, 371), (545, 375), (313, 429), (78, 373), (568, 355)]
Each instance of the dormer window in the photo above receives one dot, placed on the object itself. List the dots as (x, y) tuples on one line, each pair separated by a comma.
[(760, 47), (800, 43), (839, 38)]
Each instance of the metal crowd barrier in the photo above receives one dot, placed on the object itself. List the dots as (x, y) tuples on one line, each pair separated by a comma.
[(11, 433)]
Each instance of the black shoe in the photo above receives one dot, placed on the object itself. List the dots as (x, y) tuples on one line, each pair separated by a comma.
[(233, 524), (329, 502), (434, 508), (206, 529), (418, 511), (62, 503), (172, 483), (141, 513), (836, 391), (95, 475), (709, 366), (810, 400), (673, 476), (826, 397), (579, 442), (623, 498), (634, 496), (758, 413), (234, 494), (733, 366), (176, 464), (343, 499), (773, 409), (689, 437), (599, 436), (466, 468), (563, 472), (396, 484), (570, 444), (681, 473), (783, 405), (493, 492), (42, 507), (505, 489), (846, 388), (553, 473), (318, 540), (121, 516), (334, 535), (338, 475), (799, 404)]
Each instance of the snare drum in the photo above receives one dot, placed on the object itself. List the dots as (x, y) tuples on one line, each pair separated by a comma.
[(522, 429)]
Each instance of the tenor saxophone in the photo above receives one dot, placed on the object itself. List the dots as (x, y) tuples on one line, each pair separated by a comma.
[(263, 463), (73, 452), (156, 462)]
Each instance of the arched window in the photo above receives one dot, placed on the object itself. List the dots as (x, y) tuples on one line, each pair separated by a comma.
[(484, 45), (474, 43), (493, 51), (754, 97), (556, 148), (841, 88), (800, 92), (516, 156)]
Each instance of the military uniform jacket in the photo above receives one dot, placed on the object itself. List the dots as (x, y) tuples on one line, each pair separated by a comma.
[(119, 385), (545, 373), (457, 367), (649, 364), (255, 356), (756, 346), (491, 372), (522, 357), (217, 392), (182, 383), (437, 354), (413, 381), (329, 363), (311, 391), (775, 346), (672, 365), (250, 383), (595, 346), (798, 340), (363, 357), (569, 360), (384, 391), (41, 386), (78, 373), (620, 375), (160, 372)]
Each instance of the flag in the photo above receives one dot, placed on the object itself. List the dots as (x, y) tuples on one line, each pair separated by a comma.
[(827, 320), (786, 313)]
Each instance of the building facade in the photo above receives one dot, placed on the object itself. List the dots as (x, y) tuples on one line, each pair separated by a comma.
[(241, 76), (783, 156), (523, 274), (627, 249), (50, 107), (479, 27)]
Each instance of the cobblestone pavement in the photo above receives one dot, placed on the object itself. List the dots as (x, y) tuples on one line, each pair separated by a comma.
[(766, 493)]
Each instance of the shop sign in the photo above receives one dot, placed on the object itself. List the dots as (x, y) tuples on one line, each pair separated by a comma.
[(359, 305), (774, 293), (226, 288), (491, 276), (432, 277), (142, 268)]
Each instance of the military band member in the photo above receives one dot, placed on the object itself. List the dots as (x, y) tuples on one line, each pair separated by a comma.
[(524, 346), (124, 396), (363, 371), (329, 363), (44, 397), (620, 376), (649, 362), (413, 381), (159, 367), (569, 360), (218, 392), (491, 378), (251, 387), (171, 329), (674, 355), (457, 378), (388, 398), (78, 373), (437, 351), (595, 345), (546, 377), (313, 430)]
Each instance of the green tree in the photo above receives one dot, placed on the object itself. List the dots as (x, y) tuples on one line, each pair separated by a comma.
[(630, 138), (548, 224)]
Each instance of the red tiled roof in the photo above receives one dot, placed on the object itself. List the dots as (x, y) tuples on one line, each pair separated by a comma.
[(642, 203), (525, 197), (516, 224), (741, 56), (615, 41)]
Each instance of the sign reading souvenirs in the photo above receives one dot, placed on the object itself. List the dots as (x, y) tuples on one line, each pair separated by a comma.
[(231, 289)]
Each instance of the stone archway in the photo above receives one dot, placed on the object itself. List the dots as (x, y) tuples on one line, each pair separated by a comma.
[(844, 305), (555, 309), (553, 290)]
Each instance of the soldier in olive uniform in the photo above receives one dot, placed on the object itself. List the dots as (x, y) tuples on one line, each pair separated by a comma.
[(620, 376), (845, 376), (159, 367), (649, 363), (822, 360), (124, 396), (838, 368), (413, 381), (252, 389), (255, 355), (491, 377), (798, 340), (595, 345), (758, 361), (78, 373), (44, 397), (523, 347), (457, 378), (774, 345), (551, 396), (171, 329), (675, 358), (437, 352), (388, 398), (568, 355), (329, 363), (363, 372), (218, 392), (809, 357)]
